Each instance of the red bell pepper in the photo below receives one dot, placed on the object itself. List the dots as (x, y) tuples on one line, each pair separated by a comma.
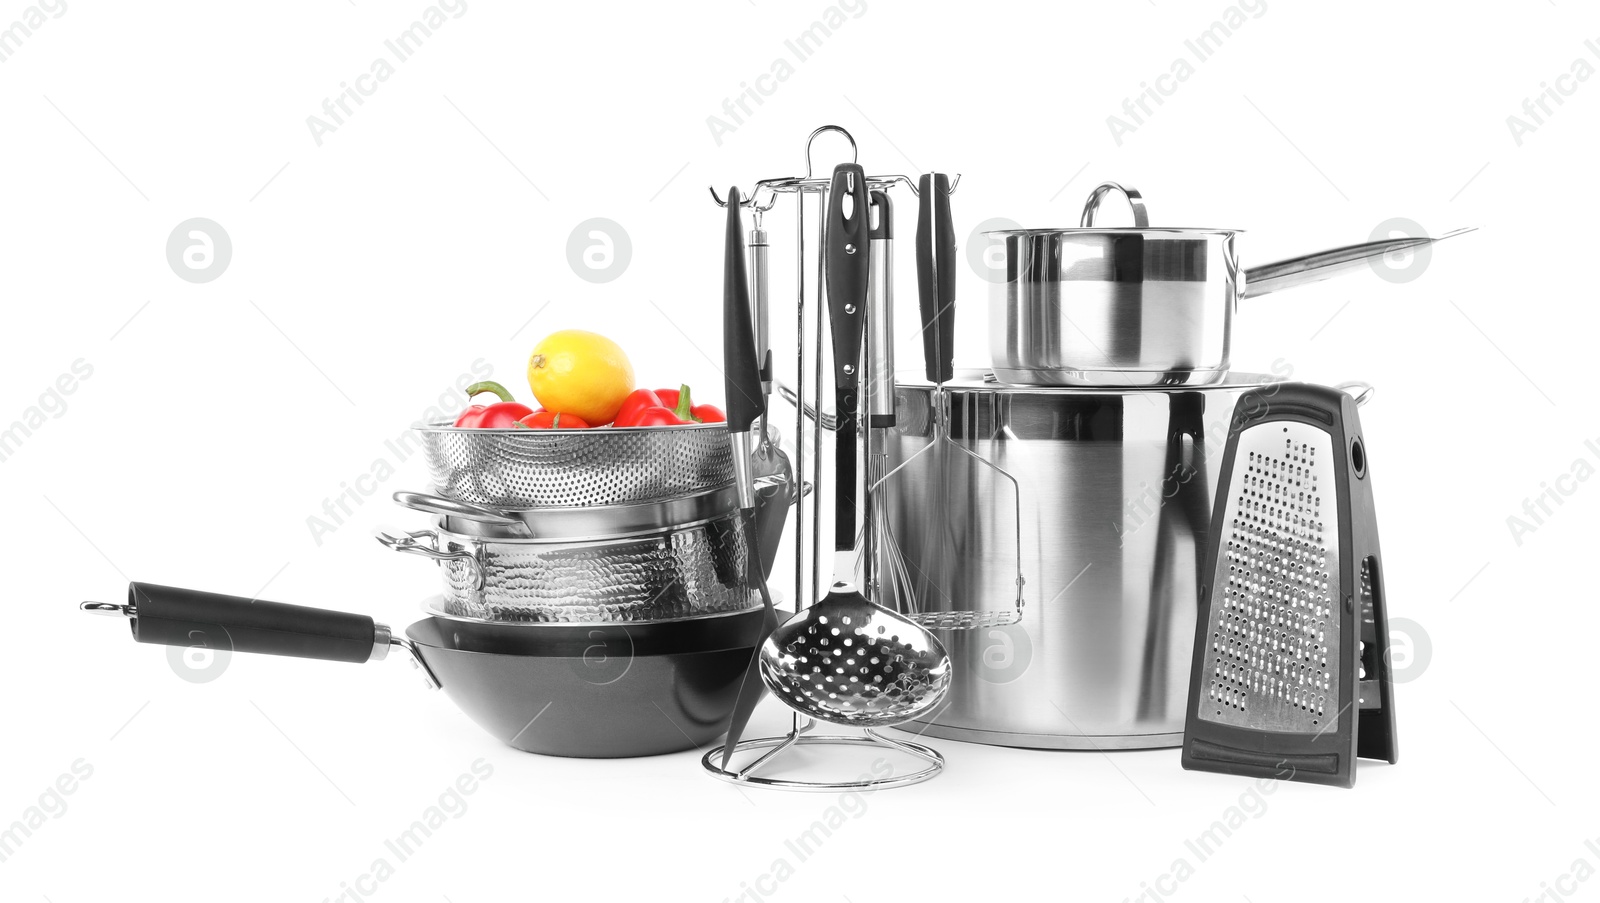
[(644, 414), (681, 401), (550, 420), (634, 404), (708, 413), (657, 416), (499, 415)]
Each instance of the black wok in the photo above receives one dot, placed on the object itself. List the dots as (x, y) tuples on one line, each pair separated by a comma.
[(594, 691)]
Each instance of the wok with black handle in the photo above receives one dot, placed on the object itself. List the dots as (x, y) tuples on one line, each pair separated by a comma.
[(585, 690)]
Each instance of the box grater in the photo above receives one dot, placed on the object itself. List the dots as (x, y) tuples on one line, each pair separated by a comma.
[(1291, 673)]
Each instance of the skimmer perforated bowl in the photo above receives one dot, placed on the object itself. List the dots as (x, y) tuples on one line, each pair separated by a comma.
[(521, 469), (859, 665)]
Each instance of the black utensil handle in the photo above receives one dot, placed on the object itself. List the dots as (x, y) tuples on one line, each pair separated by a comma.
[(750, 686), (936, 276), (741, 369), (847, 249), (172, 616)]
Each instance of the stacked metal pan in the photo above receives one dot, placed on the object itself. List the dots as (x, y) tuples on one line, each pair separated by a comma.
[(581, 527)]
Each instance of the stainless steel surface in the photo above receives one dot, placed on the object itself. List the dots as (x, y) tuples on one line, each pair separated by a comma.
[(571, 524), (1298, 271), (517, 469), (878, 389), (692, 569), (715, 761), (858, 665), (1268, 664), (1113, 307), (801, 736), (110, 609), (1135, 307), (879, 394), (812, 184), (807, 411), (382, 639), (1091, 207), (1115, 509), (759, 250), (426, 544)]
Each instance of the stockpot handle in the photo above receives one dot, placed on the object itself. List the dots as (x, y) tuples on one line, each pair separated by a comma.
[(173, 616), (425, 544), (1141, 218)]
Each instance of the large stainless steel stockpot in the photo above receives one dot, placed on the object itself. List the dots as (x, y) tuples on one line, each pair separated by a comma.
[(1116, 494), (1142, 306)]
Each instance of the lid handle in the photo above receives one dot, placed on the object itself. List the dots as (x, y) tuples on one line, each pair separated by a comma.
[(1141, 219)]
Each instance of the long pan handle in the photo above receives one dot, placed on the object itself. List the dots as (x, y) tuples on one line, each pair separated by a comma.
[(1309, 268), (936, 276), (173, 616)]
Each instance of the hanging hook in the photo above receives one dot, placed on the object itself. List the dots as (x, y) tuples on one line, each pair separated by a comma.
[(855, 152), (752, 200)]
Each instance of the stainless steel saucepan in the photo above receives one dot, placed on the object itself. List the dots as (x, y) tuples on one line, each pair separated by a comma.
[(1133, 307)]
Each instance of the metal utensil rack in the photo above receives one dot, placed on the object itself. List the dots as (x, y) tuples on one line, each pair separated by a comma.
[(806, 588)]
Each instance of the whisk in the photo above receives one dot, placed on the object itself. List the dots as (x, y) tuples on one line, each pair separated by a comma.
[(936, 261)]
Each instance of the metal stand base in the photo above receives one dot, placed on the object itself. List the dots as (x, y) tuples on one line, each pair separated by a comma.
[(775, 746)]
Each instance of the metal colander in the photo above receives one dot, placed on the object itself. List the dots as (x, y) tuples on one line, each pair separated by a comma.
[(520, 469)]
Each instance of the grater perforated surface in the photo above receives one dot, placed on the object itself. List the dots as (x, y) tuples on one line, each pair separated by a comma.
[(1275, 596)]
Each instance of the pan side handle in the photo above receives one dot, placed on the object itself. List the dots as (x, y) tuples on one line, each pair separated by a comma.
[(173, 616)]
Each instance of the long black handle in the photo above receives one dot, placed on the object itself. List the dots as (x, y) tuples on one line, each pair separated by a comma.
[(741, 370), (848, 233), (936, 276), (173, 616), (848, 252), (742, 376), (750, 686)]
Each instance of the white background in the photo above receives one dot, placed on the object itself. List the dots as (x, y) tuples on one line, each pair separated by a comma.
[(370, 271)]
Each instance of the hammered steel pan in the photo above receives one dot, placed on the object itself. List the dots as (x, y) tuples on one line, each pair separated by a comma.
[(1123, 308), (1116, 506), (685, 571), (518, 468), (606, 692)]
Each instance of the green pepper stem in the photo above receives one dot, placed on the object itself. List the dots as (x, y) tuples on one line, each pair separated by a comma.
[(489, 385), (682, 411)]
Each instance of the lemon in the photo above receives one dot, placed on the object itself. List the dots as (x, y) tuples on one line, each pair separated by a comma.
[(580, 373)]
